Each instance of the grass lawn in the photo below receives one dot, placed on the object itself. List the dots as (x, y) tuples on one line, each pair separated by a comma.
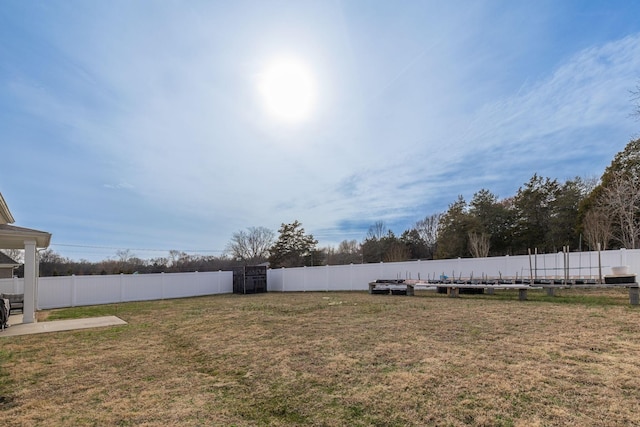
[(334, 359)]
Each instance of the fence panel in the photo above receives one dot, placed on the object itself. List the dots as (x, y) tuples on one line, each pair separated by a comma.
[(362, 274), (293, 279), (340, 278), (141, 287), (12, 286), (316, 278), (90, 290), (54, 292), (275, 280), (224, 280), (196, 284), (69, 291), (630, 257)]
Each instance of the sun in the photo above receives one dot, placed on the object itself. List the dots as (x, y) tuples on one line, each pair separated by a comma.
[(288, 90)]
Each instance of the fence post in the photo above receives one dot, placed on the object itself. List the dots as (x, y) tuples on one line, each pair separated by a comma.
[(327, 277), (73, 290), (351, 276), (304, 278), (599, 265), (121, 287), (283, 274), (162, 285)]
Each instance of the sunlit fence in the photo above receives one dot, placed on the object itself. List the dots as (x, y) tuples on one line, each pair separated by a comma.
[(69, 291), (588, 265)]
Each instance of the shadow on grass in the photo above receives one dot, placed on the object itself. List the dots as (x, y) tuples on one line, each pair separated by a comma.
[(98, 310)]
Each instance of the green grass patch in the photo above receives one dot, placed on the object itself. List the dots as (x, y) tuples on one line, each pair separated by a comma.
[(82, 312)]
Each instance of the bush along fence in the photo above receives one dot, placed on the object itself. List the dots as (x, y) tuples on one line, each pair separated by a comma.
[(70, 291)]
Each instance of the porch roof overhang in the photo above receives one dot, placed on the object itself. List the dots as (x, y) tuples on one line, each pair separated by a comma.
[(5, 214), (12, 237)]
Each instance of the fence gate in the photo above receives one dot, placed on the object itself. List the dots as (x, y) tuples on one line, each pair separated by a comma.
[(250, 279)]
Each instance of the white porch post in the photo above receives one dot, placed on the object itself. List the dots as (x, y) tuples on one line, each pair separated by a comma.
[(29, 282), (37, 291)]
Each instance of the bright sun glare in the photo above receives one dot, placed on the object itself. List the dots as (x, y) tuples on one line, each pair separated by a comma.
[(288, 89)]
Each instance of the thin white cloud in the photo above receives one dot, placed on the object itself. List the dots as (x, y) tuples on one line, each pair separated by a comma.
[(119, 186), (583, 105)]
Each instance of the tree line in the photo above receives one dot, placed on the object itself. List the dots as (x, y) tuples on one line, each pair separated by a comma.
[(125, 262)]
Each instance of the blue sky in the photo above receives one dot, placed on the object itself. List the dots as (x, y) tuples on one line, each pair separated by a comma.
[(142, 125)]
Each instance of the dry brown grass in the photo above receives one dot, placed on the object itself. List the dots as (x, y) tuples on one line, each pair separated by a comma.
[(334, 359)]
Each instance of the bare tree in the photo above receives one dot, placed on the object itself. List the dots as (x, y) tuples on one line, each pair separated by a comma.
[(597, 228), (124, 255), (377, 231), (427, 229), (252, 245), (15, 254), (349, 247), (396, 252), (621, 201), (479, 244), (174, 257), (349, 252), (124, 260)]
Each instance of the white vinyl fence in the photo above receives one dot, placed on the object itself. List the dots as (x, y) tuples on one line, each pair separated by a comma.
[(70, 291), (357, 276)]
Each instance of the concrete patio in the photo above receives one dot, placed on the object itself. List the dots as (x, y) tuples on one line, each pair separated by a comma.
[(16, 327)]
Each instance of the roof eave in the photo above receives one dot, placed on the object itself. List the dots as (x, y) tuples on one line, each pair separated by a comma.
[(5, 213), (12, 237)]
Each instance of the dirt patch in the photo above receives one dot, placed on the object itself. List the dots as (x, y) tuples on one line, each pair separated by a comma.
[(41, 316)]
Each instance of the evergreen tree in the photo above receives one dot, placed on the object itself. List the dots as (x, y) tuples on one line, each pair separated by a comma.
[(534, 205), (293, 248), (453, 235)]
